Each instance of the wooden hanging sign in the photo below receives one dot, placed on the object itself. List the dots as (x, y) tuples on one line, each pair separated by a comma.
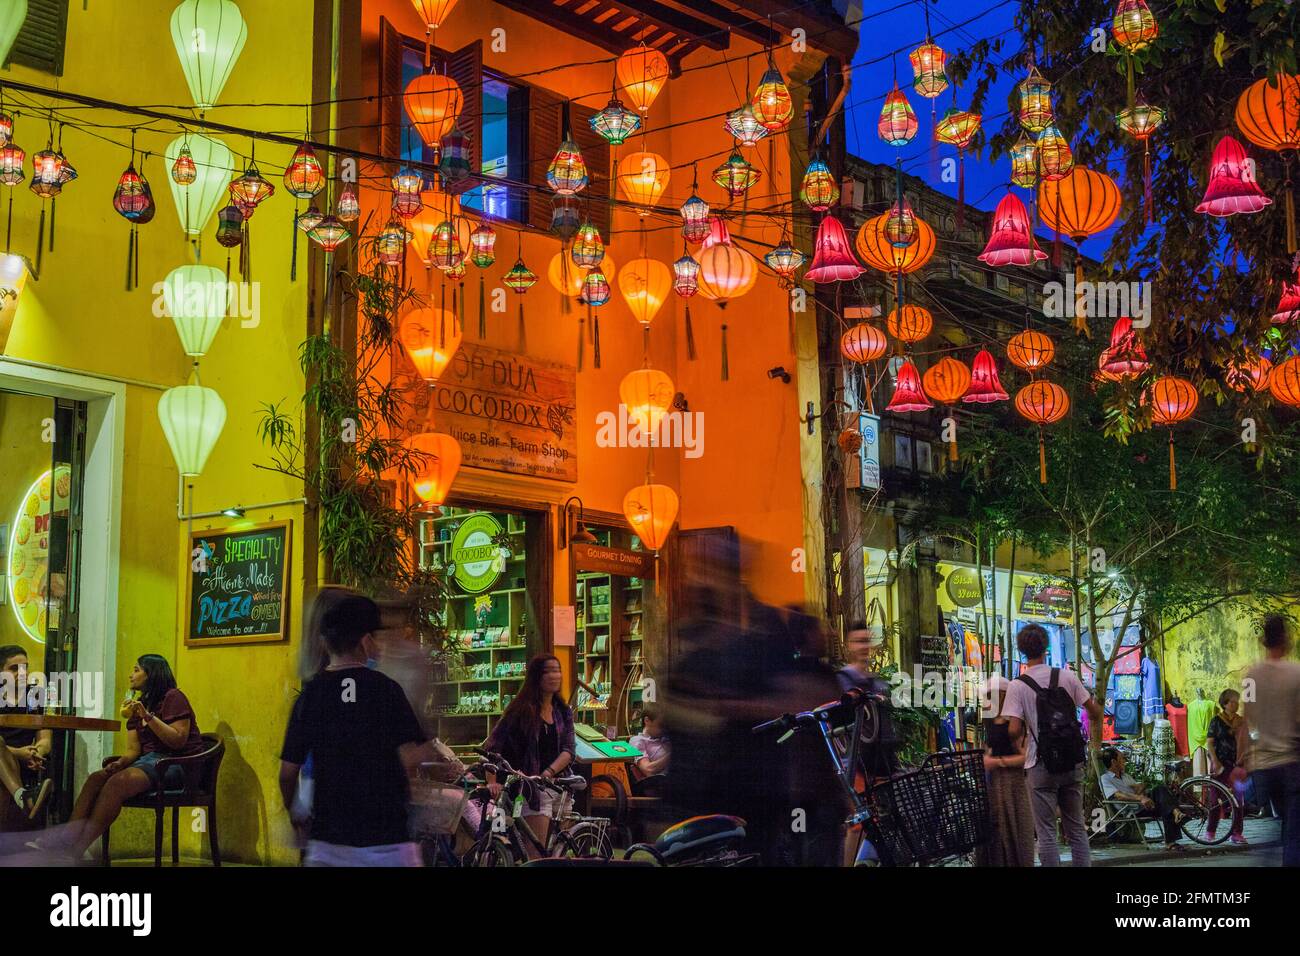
[(596, 557)]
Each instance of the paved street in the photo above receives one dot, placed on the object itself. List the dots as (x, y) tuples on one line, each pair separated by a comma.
[(1264, 850)]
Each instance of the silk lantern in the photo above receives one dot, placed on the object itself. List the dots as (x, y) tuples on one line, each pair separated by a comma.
[(645, 284), (650, 510), (192, 418), (785, 260), (643, 177), (329, 233), (588, 248), (615, 123), (985, 386), (1232, 188), (1024, 163), (1035, 109), (1250, 373), (946, 381), (908, 395), (736, 175), (1288, 306), (771, 101), (1172, 400), (195, 297), (695, 219), (744, 126), (642, 72), (436, 462), (647, 393), (214, 167), (833, 256), (1133, 25), (431, 338), (863, 343), (1284, 383), (910, 324), (819, 190), (183, 170), (1030, 350), (1055, 158), (209, 36), (1141, 121), (567, 175), (900, 224), (876, 251), (897, 125), (433, 102), (928, 77), (1268, 114), (1080, 204), (726, 271), (1125, 358), (1011, 240), (348, 207), (1042, 402)]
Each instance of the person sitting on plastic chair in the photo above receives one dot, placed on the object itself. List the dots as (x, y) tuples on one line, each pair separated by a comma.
[(1159, 805)]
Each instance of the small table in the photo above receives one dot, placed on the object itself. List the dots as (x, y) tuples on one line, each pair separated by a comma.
[(59, 722)]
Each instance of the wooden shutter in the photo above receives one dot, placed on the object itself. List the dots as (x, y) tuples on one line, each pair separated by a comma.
[(595, 152), (390, 90), (465, 66), (545, 119), (40, 42)]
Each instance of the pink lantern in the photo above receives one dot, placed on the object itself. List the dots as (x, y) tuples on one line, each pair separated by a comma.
[(1232, 187), (833, 261), (1011, 242)]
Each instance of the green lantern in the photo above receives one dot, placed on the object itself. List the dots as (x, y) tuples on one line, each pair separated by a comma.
[(214, 166), (209, 35), (195, 299)]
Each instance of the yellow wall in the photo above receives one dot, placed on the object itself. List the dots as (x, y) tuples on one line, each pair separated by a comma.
[(1211, 652)]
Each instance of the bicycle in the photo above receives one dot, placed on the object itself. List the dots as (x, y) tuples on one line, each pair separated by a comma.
[(503, 839), (1195, 797)]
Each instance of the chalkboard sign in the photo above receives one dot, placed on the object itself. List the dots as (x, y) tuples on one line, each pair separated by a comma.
[(239, 585)]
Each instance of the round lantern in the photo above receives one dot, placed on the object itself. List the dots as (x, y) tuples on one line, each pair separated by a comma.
[(433, 102), (208, 35), (897, 125), (1043, 403), (946, 381), (726, 271), (643, 177), (908, 396), (863, 343), (431, 338), (1284, 383), (771, 100), (819, 190), (928, 77), (647, 393), (650, 510), (195, 298), (645, 284), (1172, 400), (1248, 374), (875, 250), (642, 72), (1080, 204), (1030, 350), (1268, 113), (214, 167), (909, 324), (192, 418), (1232, 188), (438, 461)]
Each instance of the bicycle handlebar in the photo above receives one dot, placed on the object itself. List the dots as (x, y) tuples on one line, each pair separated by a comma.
[(853, 697)]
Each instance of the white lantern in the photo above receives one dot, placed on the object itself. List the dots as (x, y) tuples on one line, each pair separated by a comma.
[(195, 298), (209, 36), (215, 166), (192, 418), (12, 15)]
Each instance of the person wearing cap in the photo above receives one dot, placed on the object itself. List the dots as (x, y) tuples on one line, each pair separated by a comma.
[(1011, 842)]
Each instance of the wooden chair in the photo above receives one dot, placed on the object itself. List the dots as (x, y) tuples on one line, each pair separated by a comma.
[(200, 790)]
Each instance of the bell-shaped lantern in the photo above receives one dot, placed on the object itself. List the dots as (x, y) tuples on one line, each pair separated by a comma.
[(214, 166), (1288, 306), (908, 396), (1125, 358), (1232, 188), (437, 462), (650, 510), (833, 259), (192, 418), (195, 297), (985, 386), (209, 35), (431, 338), (1011, 242)]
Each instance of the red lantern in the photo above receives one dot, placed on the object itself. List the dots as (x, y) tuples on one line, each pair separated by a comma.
[(985, 387), (1125, 358), (833, 261), (1030, 350), (1172, 400), (863, 343), (1284, 383), (1288, 307), (1232, 188), (908, 394), (1011, 242), (1042, 402)]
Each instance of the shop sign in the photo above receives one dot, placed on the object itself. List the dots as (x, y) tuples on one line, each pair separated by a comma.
[(963, 587), (595, 557), (509, 412), (476, 558), (1046, 600), (936, 651), (27, 563), (239, 585)]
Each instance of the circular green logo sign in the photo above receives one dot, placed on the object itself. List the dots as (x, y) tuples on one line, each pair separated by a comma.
[(963, 587), (477, 559)]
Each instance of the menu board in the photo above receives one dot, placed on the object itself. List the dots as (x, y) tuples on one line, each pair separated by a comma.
[(239, 585)]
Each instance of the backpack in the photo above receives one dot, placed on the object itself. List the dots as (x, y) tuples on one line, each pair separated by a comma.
[(1060, 735)]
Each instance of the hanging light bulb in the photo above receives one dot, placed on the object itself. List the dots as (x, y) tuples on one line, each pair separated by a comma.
[(209, 36), (744, 126), (615, 123), (819, 191)]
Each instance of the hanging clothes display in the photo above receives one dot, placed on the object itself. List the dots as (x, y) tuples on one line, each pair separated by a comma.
[(1177, 712), (1153, 699)]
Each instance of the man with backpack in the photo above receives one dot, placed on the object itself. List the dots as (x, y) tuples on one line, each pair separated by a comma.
[(1045, 701)]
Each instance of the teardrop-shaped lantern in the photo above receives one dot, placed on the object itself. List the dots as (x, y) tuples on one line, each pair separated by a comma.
[(214, 165), (192, 418), (195, 297), (348, 207), (897, 125), (985, 386), (433, 102), (1133, 26), (431, 338), (595, 290), (567, 175), (1232, 188), (650, 510), (908, 396), (642, 72), (900, 225), (833, 259), (771, 101), (183, 170), (645, 284), (208, 35), (439, 461), (588, 248), (647, 393), (819, 191), (304, 178), (1011, 239), (643, 177)]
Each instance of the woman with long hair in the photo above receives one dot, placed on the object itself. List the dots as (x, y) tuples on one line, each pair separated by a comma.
[(160, 723), (535, 734)]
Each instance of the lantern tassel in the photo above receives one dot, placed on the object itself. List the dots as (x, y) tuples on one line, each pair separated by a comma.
[(1042, 459), (690, 335), (54, 207), (595, 337), (523, 331), (1146, 178), (9, 230), (952, 445), (482, 308), (789, 311), (1173, 468), (442, 328), (40, 238), (726, 371), (227, 267), (961, 188), (1131, 98), (130, 257), (582, 339), (1290, 211), (460, 307), (293, 258), (1080, 313)]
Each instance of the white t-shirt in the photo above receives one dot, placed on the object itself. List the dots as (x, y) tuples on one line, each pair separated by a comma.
[(1274, 711), (1112, 784), (1022, 702)]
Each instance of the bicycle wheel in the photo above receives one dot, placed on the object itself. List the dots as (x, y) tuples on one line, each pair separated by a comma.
[(644, 853), (1196, 798), (492, 850), (588, 841)]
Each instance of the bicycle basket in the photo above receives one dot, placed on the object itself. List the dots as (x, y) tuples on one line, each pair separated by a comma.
[(436, 809), (937, 811)]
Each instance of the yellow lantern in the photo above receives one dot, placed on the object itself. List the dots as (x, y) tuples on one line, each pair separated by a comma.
[(434, 475), (647, 394), (642, 72), (431, 338), (567, 278), (643, 177), (434, 103), (650, 510), (645, 284)]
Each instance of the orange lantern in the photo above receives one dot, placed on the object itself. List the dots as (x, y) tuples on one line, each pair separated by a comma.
[(568, 279), (642, 72), (875, 249), (1080, 204), (643, 177), (909, 324), (437, 207), (430, 337), (433, 102), (434, 12), (1172, 400), (946, 382), (650, 510), (863, 343), (1042, 402), (433, 477), (1284, 383), (1269, 116), (1249, 373), (645, 284), (647, 393), (1030, 350)]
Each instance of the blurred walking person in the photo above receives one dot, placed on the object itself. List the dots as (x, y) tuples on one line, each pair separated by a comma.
[(1272, 710)]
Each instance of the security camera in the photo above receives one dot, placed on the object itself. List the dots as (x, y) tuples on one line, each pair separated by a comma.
[(779, 372)]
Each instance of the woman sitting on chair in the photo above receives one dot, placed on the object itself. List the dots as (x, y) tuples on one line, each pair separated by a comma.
[(160, 723)]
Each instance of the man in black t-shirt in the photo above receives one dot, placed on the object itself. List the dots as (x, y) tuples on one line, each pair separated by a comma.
[(363, 740)]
